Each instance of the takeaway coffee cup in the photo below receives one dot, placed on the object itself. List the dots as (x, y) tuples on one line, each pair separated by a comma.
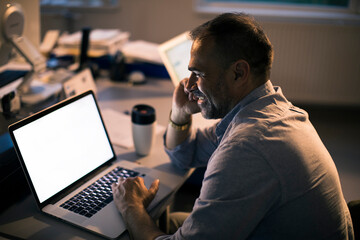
[(143, 128)]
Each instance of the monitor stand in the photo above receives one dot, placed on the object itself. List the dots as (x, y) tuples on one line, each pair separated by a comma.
[(37, 91)]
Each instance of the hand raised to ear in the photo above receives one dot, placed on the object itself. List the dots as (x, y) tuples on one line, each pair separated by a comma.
[(182, 100)]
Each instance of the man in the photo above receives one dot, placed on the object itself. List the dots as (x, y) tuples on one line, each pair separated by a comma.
[(268, 174)]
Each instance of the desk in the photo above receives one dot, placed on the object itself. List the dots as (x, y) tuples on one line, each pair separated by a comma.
[(24, 221)]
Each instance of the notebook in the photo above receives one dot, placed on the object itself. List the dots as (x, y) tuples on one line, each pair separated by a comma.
[(70, 163), (175, 54)]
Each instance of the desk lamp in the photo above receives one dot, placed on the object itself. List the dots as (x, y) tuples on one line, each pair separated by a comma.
[(12, 27)]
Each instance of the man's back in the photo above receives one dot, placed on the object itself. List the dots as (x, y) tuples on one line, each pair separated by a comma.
[(270, 177), (311, 203)]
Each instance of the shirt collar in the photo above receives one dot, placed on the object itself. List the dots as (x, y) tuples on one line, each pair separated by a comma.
[(265, 89)]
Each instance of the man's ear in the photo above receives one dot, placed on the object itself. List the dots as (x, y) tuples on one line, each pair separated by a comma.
[(241, 70)]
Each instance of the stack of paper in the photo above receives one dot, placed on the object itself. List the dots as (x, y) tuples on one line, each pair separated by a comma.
[(102, 42), (142, 51)]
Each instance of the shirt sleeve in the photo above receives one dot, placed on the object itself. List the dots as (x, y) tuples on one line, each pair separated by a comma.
[(238, 190), (163, 237), (196, 150)]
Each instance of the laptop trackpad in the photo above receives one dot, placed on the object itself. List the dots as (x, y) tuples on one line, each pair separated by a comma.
[(107, 222)]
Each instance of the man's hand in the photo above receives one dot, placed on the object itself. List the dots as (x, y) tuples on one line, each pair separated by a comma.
[(131, 197), (132, 192), (183, 103), (183, 106)]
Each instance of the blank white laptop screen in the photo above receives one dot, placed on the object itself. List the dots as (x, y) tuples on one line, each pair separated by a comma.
[(67, 128), (175, 54)]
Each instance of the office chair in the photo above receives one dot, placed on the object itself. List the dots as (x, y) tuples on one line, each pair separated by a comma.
[(354, 207)]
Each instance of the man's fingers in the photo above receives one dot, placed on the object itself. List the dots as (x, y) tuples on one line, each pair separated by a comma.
[(120, 180), (154, 187), (115, 185), (151, 193), (115, 189)]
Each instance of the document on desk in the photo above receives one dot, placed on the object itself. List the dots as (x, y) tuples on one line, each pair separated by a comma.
[(118, 125)]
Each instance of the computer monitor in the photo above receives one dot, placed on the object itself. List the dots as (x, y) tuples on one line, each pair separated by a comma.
[(175, 54)]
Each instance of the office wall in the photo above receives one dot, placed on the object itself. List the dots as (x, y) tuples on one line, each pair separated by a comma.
[(314, 63)]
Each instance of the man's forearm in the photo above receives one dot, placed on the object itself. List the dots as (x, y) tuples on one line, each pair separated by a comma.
[(140, 224), (177, 130)]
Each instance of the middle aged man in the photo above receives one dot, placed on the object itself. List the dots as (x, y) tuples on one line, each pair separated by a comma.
[(268, 173)]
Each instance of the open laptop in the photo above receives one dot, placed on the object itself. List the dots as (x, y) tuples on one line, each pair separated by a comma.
[(175, 54), (65, 151)]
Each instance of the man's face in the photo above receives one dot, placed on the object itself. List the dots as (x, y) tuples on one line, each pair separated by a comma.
[(209, 83)]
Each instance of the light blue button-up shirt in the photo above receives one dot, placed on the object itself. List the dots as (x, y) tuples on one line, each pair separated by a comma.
[(268, 176)]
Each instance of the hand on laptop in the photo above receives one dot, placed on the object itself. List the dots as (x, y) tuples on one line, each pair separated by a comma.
[(131, 197), (132, 192)]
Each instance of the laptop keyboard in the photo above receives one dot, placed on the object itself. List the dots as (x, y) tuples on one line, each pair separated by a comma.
[(99, 194)]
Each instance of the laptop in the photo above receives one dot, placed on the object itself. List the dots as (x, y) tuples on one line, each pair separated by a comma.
[(175, 54), (70, 163)]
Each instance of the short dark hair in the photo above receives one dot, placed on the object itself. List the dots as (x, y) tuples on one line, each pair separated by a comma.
[(238, 36)]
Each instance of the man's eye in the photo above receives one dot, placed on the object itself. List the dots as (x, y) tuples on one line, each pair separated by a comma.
[(200, 75)]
